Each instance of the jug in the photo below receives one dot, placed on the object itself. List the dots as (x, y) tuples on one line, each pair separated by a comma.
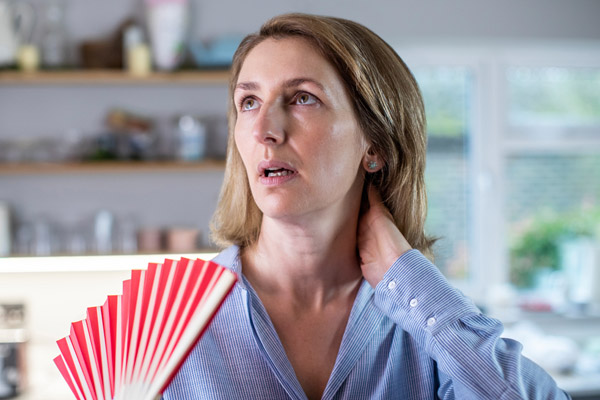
[(16, 28)]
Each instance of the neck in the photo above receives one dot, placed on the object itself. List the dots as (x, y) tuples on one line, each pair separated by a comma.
[(311, 262)]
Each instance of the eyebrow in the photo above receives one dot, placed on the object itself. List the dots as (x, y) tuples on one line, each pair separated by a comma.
[(299, 81), (246, 86), (287, 84)]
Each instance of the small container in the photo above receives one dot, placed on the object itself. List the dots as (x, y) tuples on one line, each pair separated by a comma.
[(182, 240), (5, 233), (191, 139), (55, 40), (139, 61), (28, 58), (132, 36), (150, 239), (126, 235), (12, 350), (104, 223), (136, 53)]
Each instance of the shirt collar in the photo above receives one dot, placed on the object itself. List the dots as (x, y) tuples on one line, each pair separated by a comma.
[(230, 259)]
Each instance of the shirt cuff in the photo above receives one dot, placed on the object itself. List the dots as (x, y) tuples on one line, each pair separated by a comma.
[(415, 295)]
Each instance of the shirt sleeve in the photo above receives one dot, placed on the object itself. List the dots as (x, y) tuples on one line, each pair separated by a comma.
[(474, 362)]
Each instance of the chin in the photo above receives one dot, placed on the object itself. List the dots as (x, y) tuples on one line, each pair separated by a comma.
[(281, 208), (278, 212)]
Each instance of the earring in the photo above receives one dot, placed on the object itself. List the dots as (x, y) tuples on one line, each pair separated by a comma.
[(372, 164)]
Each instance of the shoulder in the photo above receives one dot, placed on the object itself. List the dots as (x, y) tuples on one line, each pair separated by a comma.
[(229, 258)]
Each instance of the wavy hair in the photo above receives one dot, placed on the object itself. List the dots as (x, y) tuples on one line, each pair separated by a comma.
[(389, 109)]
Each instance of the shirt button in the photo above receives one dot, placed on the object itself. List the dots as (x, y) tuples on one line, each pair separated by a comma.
[(414, 302), (392, 285), (431, 321)]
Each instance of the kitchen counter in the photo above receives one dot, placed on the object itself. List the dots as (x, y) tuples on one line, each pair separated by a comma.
[(55, 297), (56, 291)]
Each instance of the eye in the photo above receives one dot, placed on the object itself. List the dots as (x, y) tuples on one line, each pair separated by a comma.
[(248, 104), (305, 98)]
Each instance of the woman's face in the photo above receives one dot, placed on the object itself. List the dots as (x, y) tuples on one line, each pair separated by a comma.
[(296, 132)]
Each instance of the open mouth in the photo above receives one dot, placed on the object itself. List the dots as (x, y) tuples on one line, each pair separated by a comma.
[(272, 172), (271, 169)]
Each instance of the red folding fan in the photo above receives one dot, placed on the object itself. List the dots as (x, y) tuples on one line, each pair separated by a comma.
[(132, 346)]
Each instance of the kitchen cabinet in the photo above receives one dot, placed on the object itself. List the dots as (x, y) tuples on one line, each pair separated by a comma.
[(156, 193)]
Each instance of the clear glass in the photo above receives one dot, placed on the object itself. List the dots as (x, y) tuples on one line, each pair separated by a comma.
[(446, 92), (55, 40), (554, 97)]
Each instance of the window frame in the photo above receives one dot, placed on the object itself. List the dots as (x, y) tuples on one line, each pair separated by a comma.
[(493, 140)]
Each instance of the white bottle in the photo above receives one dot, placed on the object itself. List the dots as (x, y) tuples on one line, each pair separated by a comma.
[(192, 139), (167, 27), (4, 229)]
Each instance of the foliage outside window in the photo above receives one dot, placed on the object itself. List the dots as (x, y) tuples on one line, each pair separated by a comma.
[(552, 197), (536, 244)]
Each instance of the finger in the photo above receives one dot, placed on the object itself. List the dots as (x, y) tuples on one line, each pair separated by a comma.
[(374, 197), (376, 202)]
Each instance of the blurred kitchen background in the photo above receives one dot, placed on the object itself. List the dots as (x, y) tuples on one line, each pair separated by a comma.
[(113, 134)]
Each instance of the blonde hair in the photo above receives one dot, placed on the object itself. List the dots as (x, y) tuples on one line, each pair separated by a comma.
[(388, 105)]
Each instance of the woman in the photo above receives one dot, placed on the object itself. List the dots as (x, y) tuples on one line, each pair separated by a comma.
[(335, 298)]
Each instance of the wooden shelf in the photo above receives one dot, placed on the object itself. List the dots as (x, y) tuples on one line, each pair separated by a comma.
[(108, 167), (112, 77)]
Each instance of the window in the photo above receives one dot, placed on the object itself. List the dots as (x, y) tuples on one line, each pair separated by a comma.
[(552, 169), (446, 93), (514, 138), (554, 98)]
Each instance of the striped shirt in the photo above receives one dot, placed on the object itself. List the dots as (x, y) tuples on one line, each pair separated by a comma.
[(412, 337)]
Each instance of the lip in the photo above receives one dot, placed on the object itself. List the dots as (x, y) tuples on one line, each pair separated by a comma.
[(274, 180)]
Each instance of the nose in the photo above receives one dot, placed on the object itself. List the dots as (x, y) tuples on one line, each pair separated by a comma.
[(269, 126)]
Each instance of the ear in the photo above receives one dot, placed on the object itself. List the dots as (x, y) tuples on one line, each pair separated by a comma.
[(372, 162)]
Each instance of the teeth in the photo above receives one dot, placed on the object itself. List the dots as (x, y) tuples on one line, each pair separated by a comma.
[(280, 173)]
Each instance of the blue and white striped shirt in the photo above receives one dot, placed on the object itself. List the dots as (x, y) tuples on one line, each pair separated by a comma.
[(412, 337)]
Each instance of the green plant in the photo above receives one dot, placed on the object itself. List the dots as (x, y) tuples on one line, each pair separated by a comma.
[(536, 247)]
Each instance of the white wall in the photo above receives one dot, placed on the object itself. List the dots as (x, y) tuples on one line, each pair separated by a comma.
[(517, 19)]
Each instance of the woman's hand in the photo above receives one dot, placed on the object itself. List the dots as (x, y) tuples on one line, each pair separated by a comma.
[(379, 241)]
